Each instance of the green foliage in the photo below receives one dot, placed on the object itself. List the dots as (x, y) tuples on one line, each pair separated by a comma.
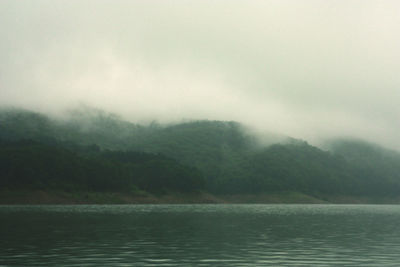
[(376, 170), (29, 164), (230, 160)]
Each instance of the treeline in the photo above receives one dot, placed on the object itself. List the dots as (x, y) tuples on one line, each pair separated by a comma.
[(223, 157), (304, 168), (27, 164)]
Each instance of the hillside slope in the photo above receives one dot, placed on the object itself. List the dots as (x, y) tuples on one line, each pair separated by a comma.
[(232, 160)]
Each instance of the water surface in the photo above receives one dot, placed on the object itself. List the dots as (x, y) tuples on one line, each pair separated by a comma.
[(200, 235)]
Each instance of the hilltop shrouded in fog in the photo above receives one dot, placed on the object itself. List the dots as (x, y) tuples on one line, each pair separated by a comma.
[(308, 69), (97, 151)]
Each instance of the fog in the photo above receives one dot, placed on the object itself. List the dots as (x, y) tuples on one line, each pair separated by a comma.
[(309, 69)]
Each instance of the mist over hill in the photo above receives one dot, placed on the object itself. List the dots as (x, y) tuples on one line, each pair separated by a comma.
[(308, 69), (229, 157)]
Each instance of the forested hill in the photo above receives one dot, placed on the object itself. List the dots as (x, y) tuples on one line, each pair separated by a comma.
[(27, 164), (214, 156)]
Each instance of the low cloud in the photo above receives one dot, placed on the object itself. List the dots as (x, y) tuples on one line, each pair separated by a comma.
[(308, 69)]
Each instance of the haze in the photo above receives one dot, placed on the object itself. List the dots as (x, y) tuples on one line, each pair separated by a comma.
[(308, 69)]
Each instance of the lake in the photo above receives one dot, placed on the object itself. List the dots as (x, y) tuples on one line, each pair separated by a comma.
[(200, 235)]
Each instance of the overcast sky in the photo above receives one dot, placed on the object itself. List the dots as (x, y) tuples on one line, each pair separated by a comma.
[(309, 69)]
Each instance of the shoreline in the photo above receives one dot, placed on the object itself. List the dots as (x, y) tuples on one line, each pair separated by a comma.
[(38, 197)]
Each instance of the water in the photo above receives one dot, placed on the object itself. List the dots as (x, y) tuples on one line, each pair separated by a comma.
[(200, 235)]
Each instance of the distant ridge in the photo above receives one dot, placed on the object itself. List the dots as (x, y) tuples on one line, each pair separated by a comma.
[(232, 159)]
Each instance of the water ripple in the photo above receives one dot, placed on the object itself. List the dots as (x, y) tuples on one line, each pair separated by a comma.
[(200, 235)]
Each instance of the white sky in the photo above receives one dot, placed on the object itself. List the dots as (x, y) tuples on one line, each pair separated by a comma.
[(309, 69)]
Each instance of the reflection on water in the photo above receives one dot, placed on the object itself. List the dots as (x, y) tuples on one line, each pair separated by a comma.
[(200, 235)]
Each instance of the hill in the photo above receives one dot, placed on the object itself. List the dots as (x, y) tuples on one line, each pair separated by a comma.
[(230, 158)]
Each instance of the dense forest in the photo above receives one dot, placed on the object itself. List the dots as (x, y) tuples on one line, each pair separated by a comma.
[(93, 150), (33, 165)]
